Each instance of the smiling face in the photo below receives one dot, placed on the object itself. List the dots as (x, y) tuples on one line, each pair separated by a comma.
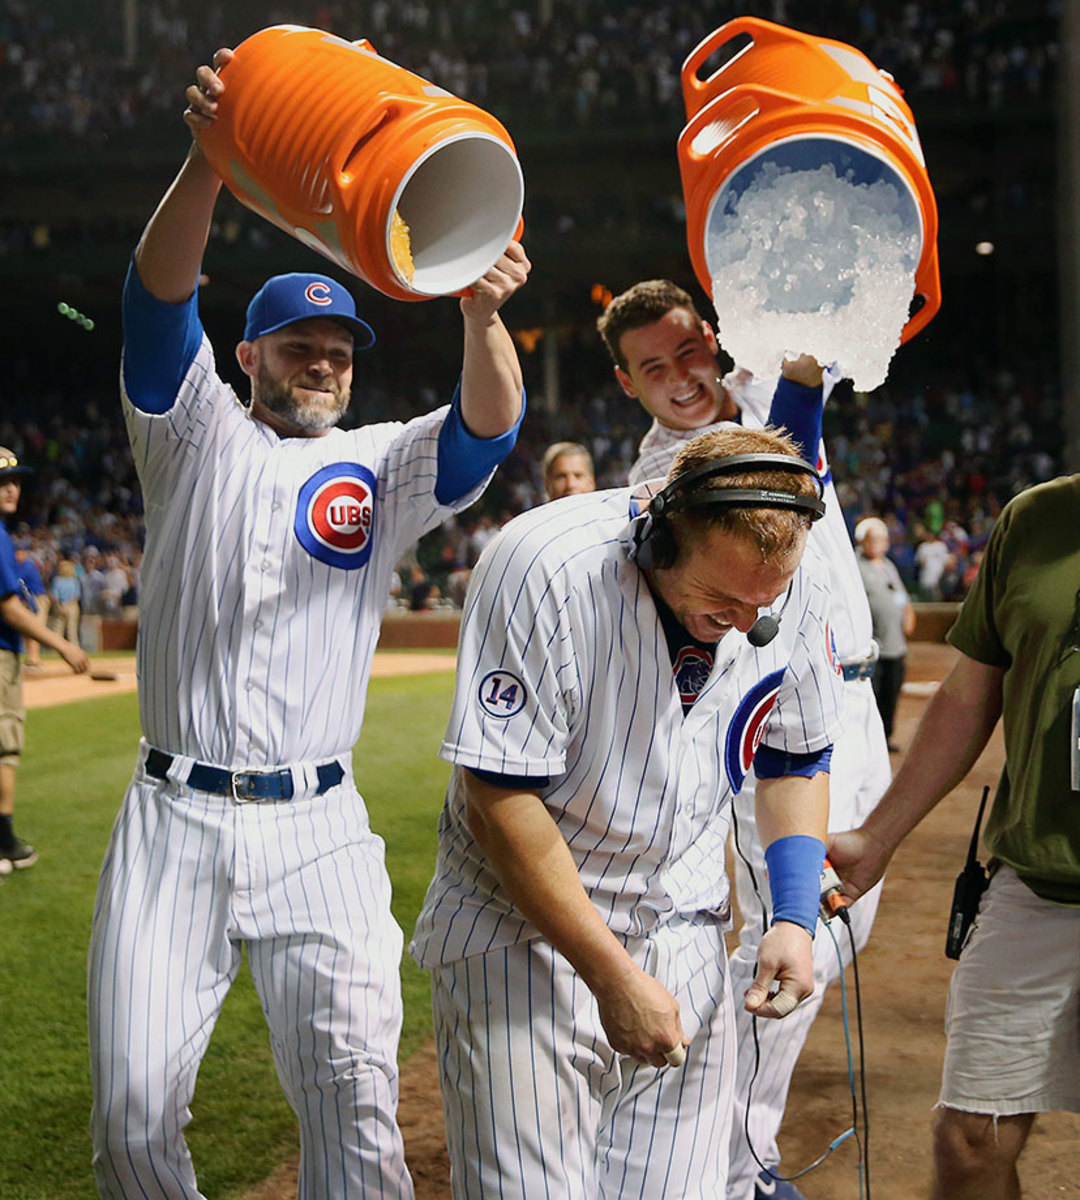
[(300, 376), (672, 369), (719, 582)]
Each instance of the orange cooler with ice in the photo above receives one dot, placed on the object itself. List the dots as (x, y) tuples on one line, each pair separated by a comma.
[(394, 179), (798, 102)]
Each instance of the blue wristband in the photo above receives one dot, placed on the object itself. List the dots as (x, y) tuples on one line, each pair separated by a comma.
[(795, 865)]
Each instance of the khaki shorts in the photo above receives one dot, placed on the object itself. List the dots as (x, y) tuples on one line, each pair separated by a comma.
[(1013, 1017), (11, 708)]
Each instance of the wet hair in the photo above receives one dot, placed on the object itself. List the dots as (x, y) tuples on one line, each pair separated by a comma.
[(777, 532), (640, 305)]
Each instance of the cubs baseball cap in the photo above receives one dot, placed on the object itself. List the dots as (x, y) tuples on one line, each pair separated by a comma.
[(284, 299), (9, 464)]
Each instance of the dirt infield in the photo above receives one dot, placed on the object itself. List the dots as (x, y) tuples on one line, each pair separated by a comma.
[(903, 975), (55, 684)]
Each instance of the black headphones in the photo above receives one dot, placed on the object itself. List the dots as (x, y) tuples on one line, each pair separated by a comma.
[(654, 539)]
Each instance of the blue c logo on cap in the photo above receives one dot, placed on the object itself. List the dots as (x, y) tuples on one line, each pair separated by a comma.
[(318, 293), (335, 515)]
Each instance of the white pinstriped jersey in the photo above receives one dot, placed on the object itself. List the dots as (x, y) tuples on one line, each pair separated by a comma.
[(267, 568), (852, 623), (564, 671)]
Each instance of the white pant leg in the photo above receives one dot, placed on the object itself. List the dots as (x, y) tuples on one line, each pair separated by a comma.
[(160, 965), (538, 1105), (313, 908), (859, 775)]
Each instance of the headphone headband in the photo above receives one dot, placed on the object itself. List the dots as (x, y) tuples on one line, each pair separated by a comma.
[(654, 543), (679, 492)]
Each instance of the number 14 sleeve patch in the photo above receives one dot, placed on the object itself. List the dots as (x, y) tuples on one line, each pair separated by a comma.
[(501, 694)]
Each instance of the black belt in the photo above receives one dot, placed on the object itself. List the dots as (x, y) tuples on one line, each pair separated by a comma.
[(243, 785)]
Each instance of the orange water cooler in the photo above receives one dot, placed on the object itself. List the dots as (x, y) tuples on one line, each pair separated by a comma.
[(799, 102), (414, 190)]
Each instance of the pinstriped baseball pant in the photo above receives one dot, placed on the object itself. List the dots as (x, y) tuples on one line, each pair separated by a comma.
[(538, 1105), (188, 880), (858, 779)]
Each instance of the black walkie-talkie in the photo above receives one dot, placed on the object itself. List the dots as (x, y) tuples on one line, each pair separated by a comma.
[(970, 885)]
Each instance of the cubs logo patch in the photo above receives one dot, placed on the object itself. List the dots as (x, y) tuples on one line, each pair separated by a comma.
[(830, 650), (501, 694), (335, 515), (318, 293), (822, 464), (747, 727), (692, 668)]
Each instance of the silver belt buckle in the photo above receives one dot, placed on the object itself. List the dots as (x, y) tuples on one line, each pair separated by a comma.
[(242, 784)]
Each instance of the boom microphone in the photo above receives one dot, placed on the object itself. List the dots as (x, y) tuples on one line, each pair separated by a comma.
[(765, 628)]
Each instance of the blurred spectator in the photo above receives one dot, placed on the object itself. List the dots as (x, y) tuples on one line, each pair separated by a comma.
[(931, 557), (114, 586), (892, 614), (65, 592), (567, 468)]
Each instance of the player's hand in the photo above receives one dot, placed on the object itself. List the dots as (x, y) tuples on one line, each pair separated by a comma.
[(785, 971), (203, 95), (491, 291), (641, 1018), (805, 370), (75, 657), (859, 859)]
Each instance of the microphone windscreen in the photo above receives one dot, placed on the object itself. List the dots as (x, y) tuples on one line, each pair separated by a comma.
[(762, 632)]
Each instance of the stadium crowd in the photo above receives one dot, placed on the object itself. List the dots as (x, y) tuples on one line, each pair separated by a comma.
[(584, 62), (937, 463)]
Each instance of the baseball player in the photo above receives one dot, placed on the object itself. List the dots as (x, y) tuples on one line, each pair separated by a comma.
[(271, 540), (608, 705), (17, 621), (665, 356)]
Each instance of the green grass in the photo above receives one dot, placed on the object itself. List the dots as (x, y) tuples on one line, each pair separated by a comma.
[(78, 761)]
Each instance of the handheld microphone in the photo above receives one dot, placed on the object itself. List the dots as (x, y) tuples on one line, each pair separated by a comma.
[(765, 628)]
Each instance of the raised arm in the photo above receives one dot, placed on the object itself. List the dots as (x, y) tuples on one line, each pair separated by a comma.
[(491, 383), (535, 866), (170, 252)]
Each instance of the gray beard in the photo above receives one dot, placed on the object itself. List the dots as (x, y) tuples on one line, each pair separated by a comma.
[(278, 398)]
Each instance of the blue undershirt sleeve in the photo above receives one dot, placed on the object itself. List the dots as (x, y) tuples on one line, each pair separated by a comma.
[(529, 783), (160, 344), (464, 460), (773, 764), (798, 409)]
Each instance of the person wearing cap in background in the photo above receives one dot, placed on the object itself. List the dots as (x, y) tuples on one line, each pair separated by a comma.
[(567, 468), (892, 613), (271, 540), (17, 620)]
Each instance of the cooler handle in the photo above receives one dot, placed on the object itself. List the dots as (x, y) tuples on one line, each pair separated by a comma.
[(697, 91)]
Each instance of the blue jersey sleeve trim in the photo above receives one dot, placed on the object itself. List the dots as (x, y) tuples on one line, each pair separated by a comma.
[(798, 409), (795, 864), (530, 783), (464, 460), (160, 344), (773, 764)]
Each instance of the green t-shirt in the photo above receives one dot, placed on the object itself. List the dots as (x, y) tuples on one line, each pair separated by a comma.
[(1023, 614)]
